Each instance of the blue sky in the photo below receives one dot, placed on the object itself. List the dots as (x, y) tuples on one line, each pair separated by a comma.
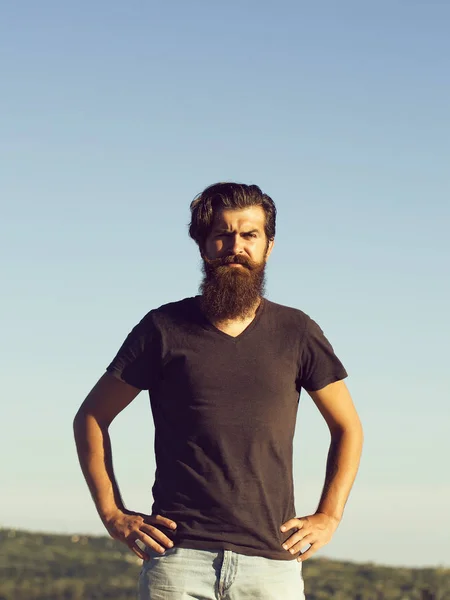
[(114, 116)]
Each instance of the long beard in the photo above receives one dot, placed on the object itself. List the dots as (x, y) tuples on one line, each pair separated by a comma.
[(231, 292)]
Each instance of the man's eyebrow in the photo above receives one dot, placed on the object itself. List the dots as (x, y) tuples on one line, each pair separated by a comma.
[(225, 230)]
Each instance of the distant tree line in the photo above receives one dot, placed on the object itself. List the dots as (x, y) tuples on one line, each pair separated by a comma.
[(60, 567)]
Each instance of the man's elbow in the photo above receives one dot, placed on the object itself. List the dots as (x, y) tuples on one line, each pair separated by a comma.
[(349, 429), (79, 422), (87, 420)]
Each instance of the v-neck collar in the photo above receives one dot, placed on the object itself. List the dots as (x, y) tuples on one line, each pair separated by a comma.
[(210, 327)]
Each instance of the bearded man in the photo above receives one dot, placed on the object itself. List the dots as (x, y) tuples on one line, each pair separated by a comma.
[(224, 371)]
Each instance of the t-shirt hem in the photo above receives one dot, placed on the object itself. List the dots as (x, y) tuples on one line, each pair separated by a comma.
[(204, 545), (112, 371), (118, 374), (324, 382)]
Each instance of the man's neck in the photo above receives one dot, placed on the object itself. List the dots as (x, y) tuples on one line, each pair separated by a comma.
[(235, 325)]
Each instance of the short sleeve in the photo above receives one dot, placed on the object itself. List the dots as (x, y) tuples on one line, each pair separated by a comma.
[(137, 361), (319, 365)]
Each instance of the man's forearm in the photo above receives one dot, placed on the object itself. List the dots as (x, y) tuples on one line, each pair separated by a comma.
[(94, 453), (342, 465)]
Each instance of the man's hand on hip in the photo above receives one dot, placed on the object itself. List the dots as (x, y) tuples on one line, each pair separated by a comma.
[(129, 527), (314, 531)]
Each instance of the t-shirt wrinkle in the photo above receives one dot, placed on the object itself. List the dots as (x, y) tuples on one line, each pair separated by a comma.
[(225, 418)]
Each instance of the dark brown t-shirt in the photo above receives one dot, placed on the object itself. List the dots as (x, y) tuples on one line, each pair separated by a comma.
[(224, 410)]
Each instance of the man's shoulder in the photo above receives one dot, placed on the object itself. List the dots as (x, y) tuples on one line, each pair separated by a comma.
[(171, 312), (286, 321), (177, 305), (286, 313)]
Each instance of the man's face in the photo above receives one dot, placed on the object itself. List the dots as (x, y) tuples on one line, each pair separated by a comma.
[(239, 232), (234, 259)]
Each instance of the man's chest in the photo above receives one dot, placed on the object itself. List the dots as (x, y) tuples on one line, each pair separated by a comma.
[(218, 381)]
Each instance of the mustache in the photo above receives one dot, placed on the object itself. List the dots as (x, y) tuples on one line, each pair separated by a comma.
[(237, 259)]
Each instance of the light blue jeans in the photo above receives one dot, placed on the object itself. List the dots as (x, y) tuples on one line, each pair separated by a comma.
[(186, 574)]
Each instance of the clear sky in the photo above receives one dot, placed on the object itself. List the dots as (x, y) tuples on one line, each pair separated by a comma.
[(114, 115)]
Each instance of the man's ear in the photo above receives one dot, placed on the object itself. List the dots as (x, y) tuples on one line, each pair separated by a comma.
[(270, 246)]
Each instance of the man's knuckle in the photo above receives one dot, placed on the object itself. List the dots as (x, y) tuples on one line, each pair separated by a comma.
[(157, 547)]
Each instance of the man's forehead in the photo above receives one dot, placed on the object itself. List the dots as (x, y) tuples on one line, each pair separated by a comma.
[(252, 217)]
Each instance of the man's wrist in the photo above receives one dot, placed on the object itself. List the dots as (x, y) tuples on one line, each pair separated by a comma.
[(108, 514), (333, 516)]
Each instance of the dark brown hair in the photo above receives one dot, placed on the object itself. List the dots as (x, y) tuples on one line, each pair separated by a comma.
[(228, 195)]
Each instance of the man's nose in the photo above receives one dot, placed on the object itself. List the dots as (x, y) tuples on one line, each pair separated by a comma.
[(236, 244)]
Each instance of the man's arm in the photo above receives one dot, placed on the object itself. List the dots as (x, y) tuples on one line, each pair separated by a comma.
[(336, 406), (105, 401)]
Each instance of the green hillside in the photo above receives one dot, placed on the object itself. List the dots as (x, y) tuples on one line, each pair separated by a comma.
[(36, 566)]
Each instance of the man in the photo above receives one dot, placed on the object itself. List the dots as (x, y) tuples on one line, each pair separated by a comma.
[(224, 372)]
